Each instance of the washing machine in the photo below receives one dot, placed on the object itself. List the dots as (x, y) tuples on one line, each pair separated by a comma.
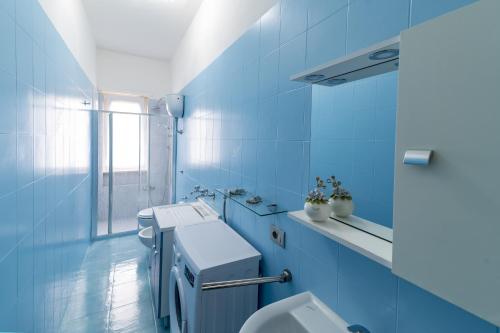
[(211, 252), (165, 220)]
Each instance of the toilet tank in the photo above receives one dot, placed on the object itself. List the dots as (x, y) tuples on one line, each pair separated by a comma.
[(174, 105)]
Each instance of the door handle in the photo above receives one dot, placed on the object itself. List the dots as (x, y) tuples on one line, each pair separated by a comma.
[(417, 157)]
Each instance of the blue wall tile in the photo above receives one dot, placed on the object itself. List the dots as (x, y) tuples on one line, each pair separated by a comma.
[(320, 9), (8, 227), (39, 277), (8, 164), (327, 40), (38, 68), (8, 290), (39, 114), (24, 160), (9, 7), (8, 42), (247, 47), (292, 60), (24, 14), (372, 21), (24, 57), (40, 23), (294, 114), (270, 30), (37, 257), (367, 292), (39, 157), (320, 279), (289, 155), (266, 172), (8, 96), (25, 276), (419, 311), (25, 207), (268, 118), (25, 102), (39, 201), (293, 19), (266, 141), (268, 75)]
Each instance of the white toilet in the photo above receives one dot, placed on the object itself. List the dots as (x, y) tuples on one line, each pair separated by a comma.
[(146, 236), (145, 219)]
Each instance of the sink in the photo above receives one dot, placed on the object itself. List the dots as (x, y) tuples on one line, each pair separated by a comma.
[(302, 313)]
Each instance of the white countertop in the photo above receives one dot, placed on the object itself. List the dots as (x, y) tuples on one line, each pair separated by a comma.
[(171, 216)]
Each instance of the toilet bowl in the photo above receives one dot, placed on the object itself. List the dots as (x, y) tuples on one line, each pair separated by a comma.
[(145, 217), (146, 236)]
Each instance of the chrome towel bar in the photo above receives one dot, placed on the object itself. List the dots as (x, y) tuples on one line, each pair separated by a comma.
[(286, 276)]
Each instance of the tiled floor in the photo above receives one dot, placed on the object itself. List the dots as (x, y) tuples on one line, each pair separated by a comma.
[(112, 292), (119, 225)]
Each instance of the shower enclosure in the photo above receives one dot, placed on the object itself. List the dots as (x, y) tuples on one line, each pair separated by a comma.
[(133, 162)]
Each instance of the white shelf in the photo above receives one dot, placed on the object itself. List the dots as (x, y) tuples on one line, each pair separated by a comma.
[(355, 66), (372, 247), (367, 226)]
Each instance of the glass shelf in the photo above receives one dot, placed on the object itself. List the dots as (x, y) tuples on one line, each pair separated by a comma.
[(263, 208)]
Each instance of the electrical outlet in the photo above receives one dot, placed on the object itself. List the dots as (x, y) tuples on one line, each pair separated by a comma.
[(277, 235)]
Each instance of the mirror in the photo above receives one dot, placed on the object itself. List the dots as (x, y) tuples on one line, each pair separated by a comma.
[(353, 138)]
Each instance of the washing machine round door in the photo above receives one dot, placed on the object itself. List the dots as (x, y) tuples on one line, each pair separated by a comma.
[(177, 303)]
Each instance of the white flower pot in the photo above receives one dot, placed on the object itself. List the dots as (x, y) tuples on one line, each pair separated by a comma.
[(341, 207), (317, 212)]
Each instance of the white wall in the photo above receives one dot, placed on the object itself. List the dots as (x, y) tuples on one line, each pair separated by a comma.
[(70, 20), (124, 73), (216, 26)]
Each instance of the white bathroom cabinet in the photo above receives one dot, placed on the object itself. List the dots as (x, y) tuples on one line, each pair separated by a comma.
[(161, 261), (446, 213)]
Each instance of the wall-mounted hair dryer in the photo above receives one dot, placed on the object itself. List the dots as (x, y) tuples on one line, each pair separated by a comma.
[(173, 104)]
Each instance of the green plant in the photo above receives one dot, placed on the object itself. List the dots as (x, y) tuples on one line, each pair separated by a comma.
[(316, 196), (338, 191)]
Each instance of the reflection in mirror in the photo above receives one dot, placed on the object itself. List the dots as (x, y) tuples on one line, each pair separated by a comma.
[(353, 138)]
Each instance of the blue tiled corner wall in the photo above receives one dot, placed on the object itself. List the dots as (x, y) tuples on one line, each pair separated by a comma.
[(247, 125), (44, 169)]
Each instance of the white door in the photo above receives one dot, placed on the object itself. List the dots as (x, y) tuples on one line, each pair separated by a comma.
[(446, 214)]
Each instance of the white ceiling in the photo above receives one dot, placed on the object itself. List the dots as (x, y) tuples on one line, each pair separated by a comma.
[(148, 28)]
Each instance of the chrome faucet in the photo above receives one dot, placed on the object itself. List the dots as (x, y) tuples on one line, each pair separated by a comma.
[(357, 329), (205, 194), (196, 189)]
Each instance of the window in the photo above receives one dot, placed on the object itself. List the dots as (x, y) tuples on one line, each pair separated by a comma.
[(129, 134), (126, 136)]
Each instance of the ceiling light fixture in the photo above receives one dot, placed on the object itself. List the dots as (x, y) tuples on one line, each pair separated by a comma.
[(336, 82), (384, 54), (315, 77)]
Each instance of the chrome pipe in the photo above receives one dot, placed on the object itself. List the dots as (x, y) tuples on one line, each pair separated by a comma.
[(173, 177), (110, 174), (286, 276)]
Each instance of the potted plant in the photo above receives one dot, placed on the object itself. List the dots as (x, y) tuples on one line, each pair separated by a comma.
[(316, 205), (341, 200)]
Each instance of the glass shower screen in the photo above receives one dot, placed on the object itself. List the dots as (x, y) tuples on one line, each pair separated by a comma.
[(134, 161)]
